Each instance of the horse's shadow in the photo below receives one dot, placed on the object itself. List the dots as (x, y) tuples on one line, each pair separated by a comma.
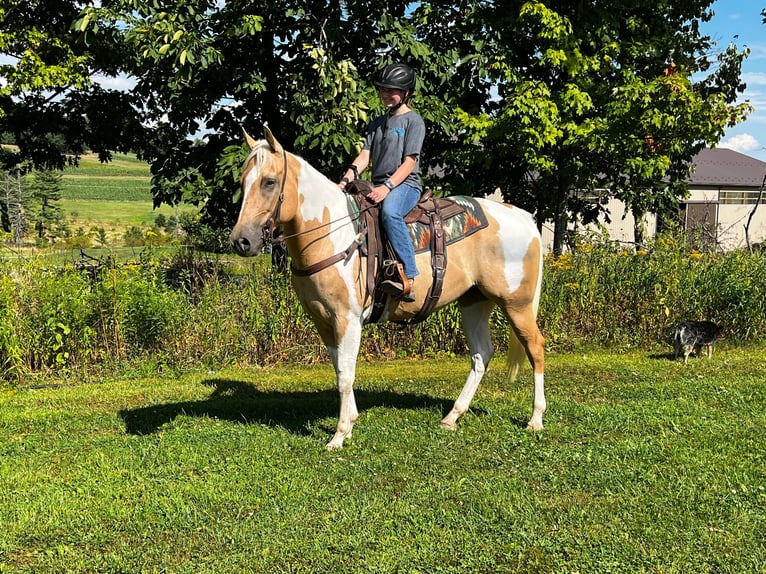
[(242, 402)]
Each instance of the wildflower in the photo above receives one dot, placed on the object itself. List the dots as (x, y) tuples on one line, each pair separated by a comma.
[(665, 242), (563, 262), (695, 255), (572, 286), (641, 252)]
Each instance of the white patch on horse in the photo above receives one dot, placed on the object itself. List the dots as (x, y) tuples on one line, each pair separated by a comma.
[(315, 208), (252, 175), (515, 241)]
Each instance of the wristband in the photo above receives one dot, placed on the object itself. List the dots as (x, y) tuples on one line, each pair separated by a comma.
[(389, 184), (346, 180)]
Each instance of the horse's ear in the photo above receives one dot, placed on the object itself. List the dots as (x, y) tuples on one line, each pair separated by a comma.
[(275, 145), (250, 141)]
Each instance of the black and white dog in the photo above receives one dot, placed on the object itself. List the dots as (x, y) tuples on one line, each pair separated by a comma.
[(691, 335)]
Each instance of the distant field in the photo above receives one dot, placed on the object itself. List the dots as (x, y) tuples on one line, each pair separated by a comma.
[(111, 212), (114, 196), (125, 178)]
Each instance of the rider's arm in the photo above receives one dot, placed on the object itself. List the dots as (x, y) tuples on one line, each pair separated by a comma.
[(361, 162)]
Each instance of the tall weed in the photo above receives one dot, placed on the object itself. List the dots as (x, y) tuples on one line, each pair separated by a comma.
[(605, 295), (200, 310)]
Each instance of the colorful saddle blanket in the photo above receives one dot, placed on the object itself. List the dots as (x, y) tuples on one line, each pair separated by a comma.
[(456, 227)]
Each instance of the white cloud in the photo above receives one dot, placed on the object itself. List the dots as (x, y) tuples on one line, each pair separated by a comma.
[(754, 78), (741, 143), (121, 82)]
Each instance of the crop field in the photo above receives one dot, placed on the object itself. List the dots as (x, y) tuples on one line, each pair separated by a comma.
[(114, 196), (124, 177)]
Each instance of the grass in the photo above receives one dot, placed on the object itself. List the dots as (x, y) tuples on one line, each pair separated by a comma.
[(645, 466), (110, 213)]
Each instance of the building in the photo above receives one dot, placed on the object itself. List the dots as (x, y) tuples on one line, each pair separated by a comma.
[(726, 198)]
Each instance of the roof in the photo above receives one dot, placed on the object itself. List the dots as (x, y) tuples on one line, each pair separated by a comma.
[(726, 168)]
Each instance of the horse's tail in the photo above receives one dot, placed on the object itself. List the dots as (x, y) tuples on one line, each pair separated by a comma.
[(516, 355)]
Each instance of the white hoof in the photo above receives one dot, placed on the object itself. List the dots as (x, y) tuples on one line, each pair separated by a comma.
[(337, 440), (448, 424), (535, 426), (334, 444)]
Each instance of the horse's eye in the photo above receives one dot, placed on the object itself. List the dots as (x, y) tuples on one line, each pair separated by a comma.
[(269, 182)]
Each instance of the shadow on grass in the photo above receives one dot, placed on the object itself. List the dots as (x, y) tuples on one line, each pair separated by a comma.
[(242, 402), (671, 356)]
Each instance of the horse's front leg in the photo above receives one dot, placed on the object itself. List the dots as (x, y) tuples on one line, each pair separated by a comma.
[(344, 350)]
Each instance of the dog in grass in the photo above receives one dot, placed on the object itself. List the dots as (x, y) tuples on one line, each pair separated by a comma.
[(693, 335)]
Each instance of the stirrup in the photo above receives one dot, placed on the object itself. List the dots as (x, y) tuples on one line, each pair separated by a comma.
[(399, 290)]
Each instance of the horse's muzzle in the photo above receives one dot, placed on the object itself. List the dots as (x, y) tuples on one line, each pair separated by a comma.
[(244, 247)]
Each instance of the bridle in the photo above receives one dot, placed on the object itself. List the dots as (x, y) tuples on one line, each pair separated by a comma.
[(272, 236), (270, 229)]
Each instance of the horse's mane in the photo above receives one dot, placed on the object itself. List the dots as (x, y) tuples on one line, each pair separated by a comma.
[(260, 152)]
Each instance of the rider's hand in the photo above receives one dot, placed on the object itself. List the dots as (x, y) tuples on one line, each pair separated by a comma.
[(378, 193)]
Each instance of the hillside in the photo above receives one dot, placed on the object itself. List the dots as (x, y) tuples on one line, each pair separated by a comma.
[(112, 197)]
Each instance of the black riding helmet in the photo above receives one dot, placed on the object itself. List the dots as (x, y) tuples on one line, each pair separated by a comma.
[(397, 76)]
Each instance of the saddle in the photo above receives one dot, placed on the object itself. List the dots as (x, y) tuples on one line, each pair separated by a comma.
[(382, 263)]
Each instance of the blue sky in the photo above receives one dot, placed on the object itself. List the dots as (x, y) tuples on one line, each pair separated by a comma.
[(740, 22)]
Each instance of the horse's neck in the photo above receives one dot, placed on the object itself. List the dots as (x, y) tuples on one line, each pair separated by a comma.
[(322, 213), (318, 196)]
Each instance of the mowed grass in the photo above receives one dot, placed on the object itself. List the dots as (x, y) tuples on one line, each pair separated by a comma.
[(646, 465)]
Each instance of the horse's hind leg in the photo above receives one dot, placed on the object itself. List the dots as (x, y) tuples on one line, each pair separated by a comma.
[(525, 328), (475, 319)]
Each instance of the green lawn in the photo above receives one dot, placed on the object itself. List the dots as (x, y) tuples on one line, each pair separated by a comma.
[(646, 465), (89, 212)]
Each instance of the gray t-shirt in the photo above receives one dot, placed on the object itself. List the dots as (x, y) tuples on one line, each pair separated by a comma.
[(392, 138)]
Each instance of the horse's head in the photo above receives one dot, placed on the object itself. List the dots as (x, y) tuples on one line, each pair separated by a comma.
[(263, 179)]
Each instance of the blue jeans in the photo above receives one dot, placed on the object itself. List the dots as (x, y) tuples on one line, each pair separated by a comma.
[(397, 204)]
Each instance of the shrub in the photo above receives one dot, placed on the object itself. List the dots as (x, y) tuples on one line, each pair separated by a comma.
[(134, 237), (611, 296)]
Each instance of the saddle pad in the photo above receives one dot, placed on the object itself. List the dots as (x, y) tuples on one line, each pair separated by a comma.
[(455, 228)]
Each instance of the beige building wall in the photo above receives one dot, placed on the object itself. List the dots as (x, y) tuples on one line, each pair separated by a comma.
[(620, 228), (730, 222)]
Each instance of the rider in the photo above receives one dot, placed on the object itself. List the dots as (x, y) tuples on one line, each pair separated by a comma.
[(393, 145)]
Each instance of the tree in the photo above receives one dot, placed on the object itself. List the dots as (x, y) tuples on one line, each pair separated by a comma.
[(45, 189), (47, 97), (543, 100), (596, 96), (15, 206), (212, 69)]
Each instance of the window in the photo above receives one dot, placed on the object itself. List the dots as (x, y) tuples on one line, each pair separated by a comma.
[(741, 197)]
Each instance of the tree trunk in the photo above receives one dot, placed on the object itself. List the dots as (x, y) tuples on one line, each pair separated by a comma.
[(560, 219), (638, 228)]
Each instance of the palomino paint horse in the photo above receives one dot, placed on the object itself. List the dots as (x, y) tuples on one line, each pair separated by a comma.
[(498, 265)]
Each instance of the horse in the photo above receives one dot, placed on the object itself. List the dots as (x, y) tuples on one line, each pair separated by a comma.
[(500, 265)]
